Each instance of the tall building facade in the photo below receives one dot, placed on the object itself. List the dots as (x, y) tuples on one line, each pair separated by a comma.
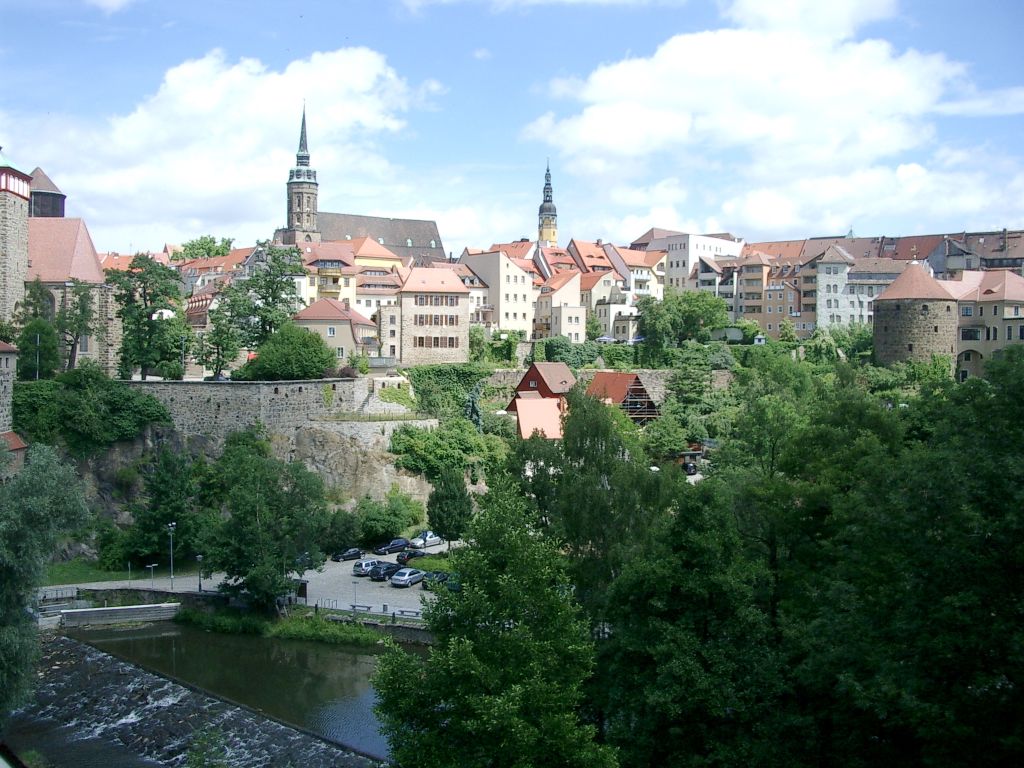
[(547, 215), (15, 194)]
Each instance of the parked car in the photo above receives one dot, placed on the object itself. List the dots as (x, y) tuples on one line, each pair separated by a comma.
[(395, 545), (407, 577), (425, 539), (383, 571), (409, 554), (431, 580), (363, 567), (353, 553), (453, 583), (690, 468)]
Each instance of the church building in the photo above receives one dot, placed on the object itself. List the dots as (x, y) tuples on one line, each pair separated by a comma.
[(407, 238)]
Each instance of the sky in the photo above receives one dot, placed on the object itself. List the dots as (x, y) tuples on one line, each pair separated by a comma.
[(165, 120)]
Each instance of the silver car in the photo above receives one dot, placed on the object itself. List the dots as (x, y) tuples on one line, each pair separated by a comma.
[(407, 577), (425, 539), (363, 567)]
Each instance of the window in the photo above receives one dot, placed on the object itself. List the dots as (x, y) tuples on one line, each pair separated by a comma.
[(966, 311), (340, 352), (533, 383), (391, 320), (408, 242), (967, 357), (330, 330), (83, 344), (391, 333)]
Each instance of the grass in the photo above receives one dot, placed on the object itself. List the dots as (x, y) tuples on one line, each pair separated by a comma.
[(299, 626)]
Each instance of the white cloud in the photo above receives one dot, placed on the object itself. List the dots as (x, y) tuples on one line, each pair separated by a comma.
[(785, 125), (209, 152), (481, 54), (507, 5)]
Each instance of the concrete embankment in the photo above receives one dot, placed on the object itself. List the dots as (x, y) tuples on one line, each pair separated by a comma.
[(99, 696)]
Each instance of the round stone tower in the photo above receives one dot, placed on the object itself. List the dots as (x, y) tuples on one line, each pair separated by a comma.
[(914, 319)]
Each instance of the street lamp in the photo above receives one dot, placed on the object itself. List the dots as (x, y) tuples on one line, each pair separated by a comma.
[(152, 585), (199, 558), (170, 530), (355, 596)]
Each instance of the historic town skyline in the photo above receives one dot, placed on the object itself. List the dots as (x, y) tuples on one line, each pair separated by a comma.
[(162, 123)]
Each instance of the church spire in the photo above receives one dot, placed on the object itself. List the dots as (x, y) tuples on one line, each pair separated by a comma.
[(547, 215), (302, 156)]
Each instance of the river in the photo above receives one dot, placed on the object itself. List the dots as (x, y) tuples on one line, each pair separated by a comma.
[(322, 689)]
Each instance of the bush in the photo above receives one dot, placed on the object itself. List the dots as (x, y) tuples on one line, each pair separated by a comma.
[(292, 353), (442, 390), (342, 531), (323, 631), (226, 622), (399, 396), (455, 443)]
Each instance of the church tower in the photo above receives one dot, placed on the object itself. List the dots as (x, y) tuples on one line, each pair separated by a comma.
[(547, 216), (302, 192), (15, 192)]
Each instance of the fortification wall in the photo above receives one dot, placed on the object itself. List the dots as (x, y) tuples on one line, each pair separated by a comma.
[(912, 330)]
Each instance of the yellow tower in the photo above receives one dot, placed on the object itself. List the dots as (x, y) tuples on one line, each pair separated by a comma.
[(547, 216)]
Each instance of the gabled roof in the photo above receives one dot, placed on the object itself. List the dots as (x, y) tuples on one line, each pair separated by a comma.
[(61, 249), (558, 280), (917, 247), (434, 281), (15, 442), (589, 279), (543, 415), (331, 309), (778, 248), (836, 254), (5, 347), (992, 285), (395, 233), (611, 386), (518, 249), (914, 283), (857, 247), (229, 263), (556, 376), (654, 233)]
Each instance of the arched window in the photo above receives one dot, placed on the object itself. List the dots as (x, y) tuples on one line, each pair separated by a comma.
[(433, 244), (408, 242)]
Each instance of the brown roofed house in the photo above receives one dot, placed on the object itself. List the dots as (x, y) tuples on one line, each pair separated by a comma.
[(549, 380), (626, 391)]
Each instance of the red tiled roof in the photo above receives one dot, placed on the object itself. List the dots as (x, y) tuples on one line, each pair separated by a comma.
[(14, 441), (61, 249), (543, 415), (993, 285), (611, 386), (915, 247), (914, 283), (557, 376), (331, 309), (5, 347), (790, 249), (433, 280), (559, 280), (516, 250)]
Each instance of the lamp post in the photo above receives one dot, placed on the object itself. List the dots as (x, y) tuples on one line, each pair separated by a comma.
[(152, 584), (355, 596), (170, 530), (199, 558)]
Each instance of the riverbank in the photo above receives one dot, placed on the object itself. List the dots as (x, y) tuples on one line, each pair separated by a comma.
[(92, 695)]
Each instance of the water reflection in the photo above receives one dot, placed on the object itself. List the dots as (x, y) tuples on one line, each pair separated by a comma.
[(322, 688)]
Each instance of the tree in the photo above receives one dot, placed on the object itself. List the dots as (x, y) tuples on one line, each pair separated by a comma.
[(272, 516), (292, 353), (477, 344), (503, 680), (688, 672), (449, 507), (39, 349), (169, 497), (146, 293), (265, 301), (75, 319), (787, 331), (677, 318), (44, 501), (594, 329), (219, 347), (205, 247), (38, 302)]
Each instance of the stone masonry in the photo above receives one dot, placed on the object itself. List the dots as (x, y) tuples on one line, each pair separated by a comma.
[(13, 251), (914, 330)]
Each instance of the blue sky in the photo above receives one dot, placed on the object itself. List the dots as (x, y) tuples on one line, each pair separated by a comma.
[(163, 120)]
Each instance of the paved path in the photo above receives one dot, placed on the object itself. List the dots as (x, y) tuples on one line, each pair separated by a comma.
[(332, 587)]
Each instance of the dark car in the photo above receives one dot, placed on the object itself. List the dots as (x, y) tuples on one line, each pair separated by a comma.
[(395, 545), (431, 580), (353, 553), (384, 571), (409, 554), (690, 468)]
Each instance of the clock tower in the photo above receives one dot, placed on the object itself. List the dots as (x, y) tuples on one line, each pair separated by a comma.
[(547, 216), (302, 194)]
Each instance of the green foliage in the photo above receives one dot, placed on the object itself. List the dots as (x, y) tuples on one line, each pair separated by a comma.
[(558, 349), (379, 521), (206, 749), (455, 443), (621, 357), (478, 344), (294, 627), (204, 247), (146, 293), (360, 362), (449, 507), (38, 303), (84, 410), (228, 621), (75, 319), (680, 317), (504, 677), (39, 349), (787, 331), (292, 353), (265, 301), (220, 345), (503, 350), (342, 532), (399, 396), (594, 329), (266, 514), (442, 390), (8, 331), (39, 505)]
